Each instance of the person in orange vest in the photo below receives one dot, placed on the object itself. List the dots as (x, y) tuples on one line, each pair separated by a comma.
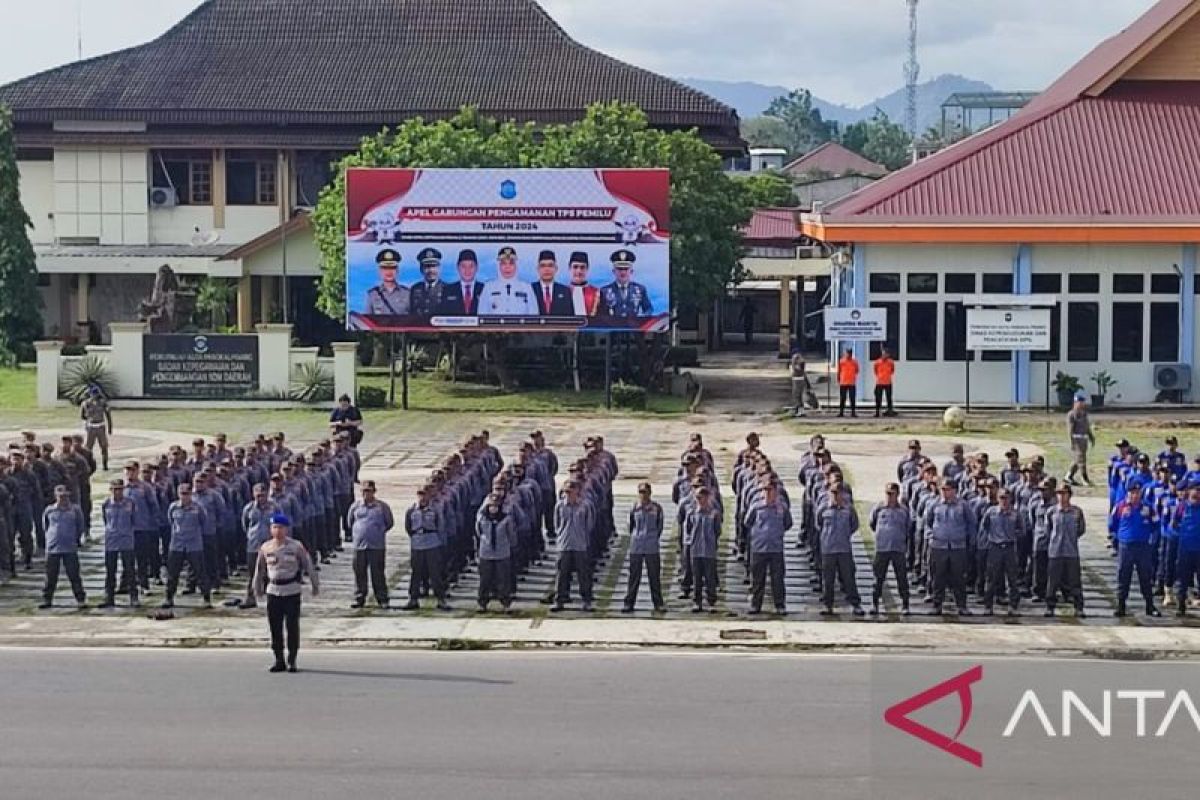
[(885, 370), (848, 384)]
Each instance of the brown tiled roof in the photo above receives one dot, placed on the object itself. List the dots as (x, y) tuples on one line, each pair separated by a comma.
[(355, 62), (836, 160)]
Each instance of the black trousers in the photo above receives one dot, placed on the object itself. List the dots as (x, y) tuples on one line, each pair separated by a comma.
[(495, 580), (762, 564), (579, 564), (1002, 568), (686, 578), (839, 567), (212, 563), (847, 394), (652, 562), (880, 393), (880, 565), (704, 571), (370, 562), (145, 554), (24, 536), (124, 558), (343, 507), (1064, 575), (284, 612), (1038, 566), (69, 562), (196, 562), (428, 567), (980, 573), (948, 568)]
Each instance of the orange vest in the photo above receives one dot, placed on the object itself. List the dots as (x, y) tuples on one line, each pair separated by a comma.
[(847, 371), (885, 369)]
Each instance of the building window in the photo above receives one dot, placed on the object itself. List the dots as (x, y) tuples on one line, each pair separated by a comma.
[(923, 283), (1127, 332), (1055, 337), (1164, 332), (1047, 284), (885, 283), (1164, 284), (250, 178), (997, 283), (1129, 284), (954, 333), (188, 172), (1083, 331), (960, 283), (920, 332), (1084, 284), (893, 331)]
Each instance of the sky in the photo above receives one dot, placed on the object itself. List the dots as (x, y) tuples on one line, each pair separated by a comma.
[(846, 51)]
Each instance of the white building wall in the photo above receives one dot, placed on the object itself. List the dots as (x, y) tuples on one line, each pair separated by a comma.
[(37, 196), (101, 194)]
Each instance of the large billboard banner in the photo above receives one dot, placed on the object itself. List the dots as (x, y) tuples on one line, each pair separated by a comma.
[(508, 250)]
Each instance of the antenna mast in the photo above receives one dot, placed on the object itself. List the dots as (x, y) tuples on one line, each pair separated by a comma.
[(912, 71)]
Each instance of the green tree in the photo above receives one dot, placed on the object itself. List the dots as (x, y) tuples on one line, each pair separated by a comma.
[(880, 140), (769, 190), (805, 126), (20, 301), (213, 298), (707, 207), (854, 136), (767, 132)]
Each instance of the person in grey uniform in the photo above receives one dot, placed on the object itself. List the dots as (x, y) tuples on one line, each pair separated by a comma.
[(256, 522), (97, 422), (64, 525), (118, 512), (573, 521), (1067, 526), (645, 534), (422, 523), (1002, 527), (188, 521), (495, 538), (891, 522), (701, 532), (389, 298), (837, 522), (370, 520), (1080, 435), (949, 522), (766, 523)]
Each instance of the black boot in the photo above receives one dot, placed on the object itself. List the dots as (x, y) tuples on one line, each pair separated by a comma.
[(1120, 612)]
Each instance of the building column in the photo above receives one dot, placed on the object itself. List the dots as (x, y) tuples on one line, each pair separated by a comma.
[(785, 317), (127, 356), (1187, 307), (345, 364), (1022, 372), (274, 358), (220, 192), (83, 307), (49, 359), (857, 298), (245, 304)]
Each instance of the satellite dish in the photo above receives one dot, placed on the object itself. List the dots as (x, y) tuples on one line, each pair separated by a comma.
[(205, 238)]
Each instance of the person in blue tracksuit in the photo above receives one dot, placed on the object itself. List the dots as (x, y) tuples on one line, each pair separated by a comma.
[(1187, 565), (1167, 550), (1136, 526), (1175, 460), (1192, 476)]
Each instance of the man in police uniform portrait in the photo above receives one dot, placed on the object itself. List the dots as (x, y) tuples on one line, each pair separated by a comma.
[(623, 297), (461, 299), (388, 299), (507, 295), (427, 293)]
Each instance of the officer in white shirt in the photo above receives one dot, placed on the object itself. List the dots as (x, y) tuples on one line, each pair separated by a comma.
[(507, 295)]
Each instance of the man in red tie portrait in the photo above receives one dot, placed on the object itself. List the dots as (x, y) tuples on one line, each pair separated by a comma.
[(462, 299), (553, 299)]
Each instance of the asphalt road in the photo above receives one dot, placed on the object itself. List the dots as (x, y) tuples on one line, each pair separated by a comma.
[(214, 723)]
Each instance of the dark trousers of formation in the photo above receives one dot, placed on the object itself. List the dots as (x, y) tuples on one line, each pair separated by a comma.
[(283, 614), (370, 564)]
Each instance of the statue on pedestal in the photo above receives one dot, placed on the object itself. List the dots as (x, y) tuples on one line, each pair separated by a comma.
[(168, 308)]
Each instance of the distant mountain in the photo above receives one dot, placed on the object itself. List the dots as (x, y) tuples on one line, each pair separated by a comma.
[(751, 99)]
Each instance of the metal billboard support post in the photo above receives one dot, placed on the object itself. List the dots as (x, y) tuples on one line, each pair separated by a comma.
[(968, 387), (404, 371), (608, 371), (1047, 383), (392, 370)]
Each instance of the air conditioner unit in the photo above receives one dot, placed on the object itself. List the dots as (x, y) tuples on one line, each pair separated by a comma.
[(808, 251), (163, 197), (1172, 377)]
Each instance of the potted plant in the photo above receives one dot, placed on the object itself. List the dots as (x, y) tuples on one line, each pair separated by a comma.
[(1104, 381), (1066, 386)]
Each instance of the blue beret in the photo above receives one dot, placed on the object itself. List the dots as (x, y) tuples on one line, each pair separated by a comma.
[(281, 519)]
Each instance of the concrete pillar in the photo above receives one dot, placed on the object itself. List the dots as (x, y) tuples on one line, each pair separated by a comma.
[(1022, 377), (245, 304), (126, 357), (785, 317), (49, 359), (83, 307), (857, 297), (345, 364), (274, 358), (219, 190), (268, 296), (1187, 308)]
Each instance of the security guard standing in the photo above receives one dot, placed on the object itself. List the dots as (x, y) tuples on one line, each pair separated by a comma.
[(1067, 526), (948, 523), (97, 422), (188, 521), (495, 538), (279, 574), (389, 298), (427, 293), (837, 523), (891, 522), (423, 525), (256, 522), (573, 521), (370, 520), (1079, 431), (766, 524), (625, 298), (118, 513), (1001, 527), (701, 532), (64, 526), (645, 533)]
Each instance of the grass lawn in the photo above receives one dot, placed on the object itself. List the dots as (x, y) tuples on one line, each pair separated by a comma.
[(18, 388)]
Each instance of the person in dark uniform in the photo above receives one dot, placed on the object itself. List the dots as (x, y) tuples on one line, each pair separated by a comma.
[(346, 418), (427, 293), (553, 299), (279, 576), (370, 520), (645, 531), (461, 299), (118, 513), (388, 299), (64, 525), (623, 298)]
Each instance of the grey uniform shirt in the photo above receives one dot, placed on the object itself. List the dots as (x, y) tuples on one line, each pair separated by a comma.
[(572, 526), (1066, 527), (369, 524), (701, 529), (767, 524), (495, 537), (389, 302), (256, 521), (118, 524), (421, 525), (1000, 527), (890, 524), (1079, 426), (837, 525), (187, 527), (949, 525), (64, 528), (645, 529)]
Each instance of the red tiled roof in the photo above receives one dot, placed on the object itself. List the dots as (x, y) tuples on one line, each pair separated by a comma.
[(772, 225), (836, 160)]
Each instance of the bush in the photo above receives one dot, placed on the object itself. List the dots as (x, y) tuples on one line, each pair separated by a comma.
[(683, 357), (312, 384), (79, 377), (371, 397), (628, 396), (419, 359), (74, 350)]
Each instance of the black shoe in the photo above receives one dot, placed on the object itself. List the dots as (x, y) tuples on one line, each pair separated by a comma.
[(905, 611), (444, 606), (989, 612), (278, 666), (483, 606), (357, 604), (1081, 614), (1120, 612), (753, 611), (858, 611), (627, 609), (411, 605), (292, 668), (108, 603), (1152, 611), (965, 612), (781, 610), (557, 607), (827, 611), (45, 604), (696, 609), (1049, 612)]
